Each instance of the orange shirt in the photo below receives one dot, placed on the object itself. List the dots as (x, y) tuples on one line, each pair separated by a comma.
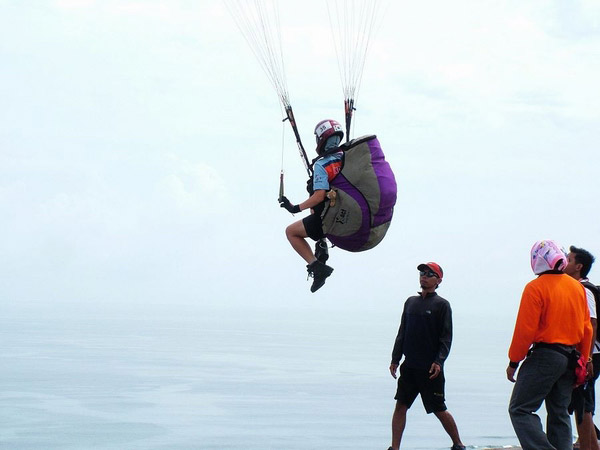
[(553, 310)]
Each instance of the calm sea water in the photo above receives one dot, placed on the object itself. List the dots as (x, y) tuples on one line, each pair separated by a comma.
[(230, 377)]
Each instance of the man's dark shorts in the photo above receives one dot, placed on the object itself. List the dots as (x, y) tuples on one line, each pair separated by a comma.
[(583, 398), (413, 382), (313, 226)]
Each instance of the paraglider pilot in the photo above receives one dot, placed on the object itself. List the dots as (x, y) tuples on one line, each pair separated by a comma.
[(327, 165)]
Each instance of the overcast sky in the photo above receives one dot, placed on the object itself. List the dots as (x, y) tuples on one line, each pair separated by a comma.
[(141, 144)]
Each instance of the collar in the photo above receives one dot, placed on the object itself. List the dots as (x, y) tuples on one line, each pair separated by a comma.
[(331, 151), (551, 272)]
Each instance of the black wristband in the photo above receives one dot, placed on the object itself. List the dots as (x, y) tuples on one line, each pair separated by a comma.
[(295, 209), (513, 364)]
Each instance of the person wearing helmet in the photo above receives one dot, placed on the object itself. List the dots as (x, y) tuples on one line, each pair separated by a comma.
[(326, 166), (552, 331)]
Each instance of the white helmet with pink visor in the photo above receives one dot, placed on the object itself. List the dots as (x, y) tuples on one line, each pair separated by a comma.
[(547, 255)]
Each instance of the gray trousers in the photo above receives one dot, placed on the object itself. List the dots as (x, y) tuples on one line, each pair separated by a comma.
[(543, 377)]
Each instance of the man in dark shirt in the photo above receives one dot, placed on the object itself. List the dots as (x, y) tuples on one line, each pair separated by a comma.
[(424, 338)]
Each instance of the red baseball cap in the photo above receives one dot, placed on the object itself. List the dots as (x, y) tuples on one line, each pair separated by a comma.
[(434, 267)]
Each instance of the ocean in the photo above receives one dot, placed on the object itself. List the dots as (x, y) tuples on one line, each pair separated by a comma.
[(231, 377)]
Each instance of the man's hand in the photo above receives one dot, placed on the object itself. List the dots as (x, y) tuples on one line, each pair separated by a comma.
[(285, 203), (393, 369), (590, 370), (510, 374), (434, 370)]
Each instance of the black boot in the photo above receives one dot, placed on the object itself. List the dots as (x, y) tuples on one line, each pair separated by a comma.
[(319, 272), (321, 252)]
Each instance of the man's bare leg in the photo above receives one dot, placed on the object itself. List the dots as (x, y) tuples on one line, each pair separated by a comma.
[(296, 234), (587, 433), (449, 425), (398, 424)]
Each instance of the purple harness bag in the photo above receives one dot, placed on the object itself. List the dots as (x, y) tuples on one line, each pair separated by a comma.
[(365, 197)]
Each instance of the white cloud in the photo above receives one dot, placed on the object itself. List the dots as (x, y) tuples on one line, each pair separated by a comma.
[(194, 188), (75, 4)]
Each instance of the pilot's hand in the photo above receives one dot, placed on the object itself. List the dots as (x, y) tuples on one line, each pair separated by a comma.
[(285, 203)]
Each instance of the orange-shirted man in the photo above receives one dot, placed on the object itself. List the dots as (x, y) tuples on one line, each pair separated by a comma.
[(553, 321)]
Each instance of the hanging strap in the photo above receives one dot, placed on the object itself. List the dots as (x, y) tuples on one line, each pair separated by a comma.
[(349, 111), (303, 156)]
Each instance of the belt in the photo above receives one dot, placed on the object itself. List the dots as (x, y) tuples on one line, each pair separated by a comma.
[(560, 348)]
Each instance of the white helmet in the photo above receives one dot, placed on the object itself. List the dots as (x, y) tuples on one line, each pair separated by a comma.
[(324, 130), (547, 255)]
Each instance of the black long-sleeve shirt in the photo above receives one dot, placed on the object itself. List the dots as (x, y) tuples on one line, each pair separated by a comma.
[(425, 333)]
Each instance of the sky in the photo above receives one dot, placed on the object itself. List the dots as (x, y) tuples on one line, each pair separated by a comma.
[(141, 146)]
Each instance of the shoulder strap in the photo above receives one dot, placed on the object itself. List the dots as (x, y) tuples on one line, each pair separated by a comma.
[(596, 291), (593, 288)]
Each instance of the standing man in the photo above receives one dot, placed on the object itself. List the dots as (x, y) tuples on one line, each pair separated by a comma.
[(583, 401), (553, 321), (424, 338)]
